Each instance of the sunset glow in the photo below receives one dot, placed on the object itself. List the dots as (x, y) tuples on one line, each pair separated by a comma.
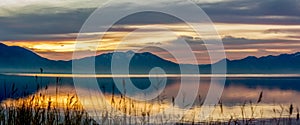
[(156, 62), (240, 40)]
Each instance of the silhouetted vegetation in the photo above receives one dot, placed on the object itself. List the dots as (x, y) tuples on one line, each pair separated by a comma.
[(40, 109)]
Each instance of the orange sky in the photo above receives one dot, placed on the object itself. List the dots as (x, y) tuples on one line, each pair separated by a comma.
[(240, 40), (50, 28)]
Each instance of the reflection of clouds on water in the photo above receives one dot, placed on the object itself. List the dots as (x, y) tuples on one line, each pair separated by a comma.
[(263, 110), (237, 90), (238, 93)]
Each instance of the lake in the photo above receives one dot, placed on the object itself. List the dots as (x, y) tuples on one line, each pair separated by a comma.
[(278, 89), (238, 87)]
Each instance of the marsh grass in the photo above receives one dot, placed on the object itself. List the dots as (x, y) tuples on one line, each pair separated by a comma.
[(41, 109)]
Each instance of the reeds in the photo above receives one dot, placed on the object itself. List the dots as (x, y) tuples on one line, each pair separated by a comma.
[(41, 109), (38, 109)]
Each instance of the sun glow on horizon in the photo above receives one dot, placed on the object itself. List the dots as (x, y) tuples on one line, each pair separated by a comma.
[(239, 41)]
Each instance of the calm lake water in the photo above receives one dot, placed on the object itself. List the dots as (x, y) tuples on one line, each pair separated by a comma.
[(277, 88)]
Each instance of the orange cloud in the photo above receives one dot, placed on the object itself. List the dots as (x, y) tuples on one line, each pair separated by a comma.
[(129, 37)]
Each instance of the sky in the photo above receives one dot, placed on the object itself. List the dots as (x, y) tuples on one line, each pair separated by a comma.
[(247, 27)]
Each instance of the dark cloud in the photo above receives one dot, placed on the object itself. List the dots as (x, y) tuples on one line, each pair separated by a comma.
[(229, 40), (279, 7), (45, 26), (233, 43), (255, 11), (38, 26), (294, 31), (286, 12), (149, 18)]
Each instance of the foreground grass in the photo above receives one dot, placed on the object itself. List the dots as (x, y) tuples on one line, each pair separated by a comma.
[(42, 111), (54, 106)]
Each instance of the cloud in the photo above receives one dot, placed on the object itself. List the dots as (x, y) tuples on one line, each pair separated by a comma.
[(30, 26), (254, 11), (27, 20), (248, 27), (44, 22)]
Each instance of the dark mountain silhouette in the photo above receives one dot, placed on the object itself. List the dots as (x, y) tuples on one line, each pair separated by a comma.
[(18, 59), (284, 63), (139, 64)]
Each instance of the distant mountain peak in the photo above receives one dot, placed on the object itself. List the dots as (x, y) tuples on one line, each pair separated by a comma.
[(14, 58), (130, 52), (251, 57), (297, 54), (1, 44)]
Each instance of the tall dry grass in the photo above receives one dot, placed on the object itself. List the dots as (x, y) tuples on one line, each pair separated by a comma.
[(41, 109)]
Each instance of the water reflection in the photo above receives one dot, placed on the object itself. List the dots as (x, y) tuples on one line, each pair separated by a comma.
[(118, 103), (237, 89), (278, 92)]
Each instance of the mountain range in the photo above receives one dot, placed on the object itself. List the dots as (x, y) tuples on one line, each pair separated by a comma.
[(18, 59)]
